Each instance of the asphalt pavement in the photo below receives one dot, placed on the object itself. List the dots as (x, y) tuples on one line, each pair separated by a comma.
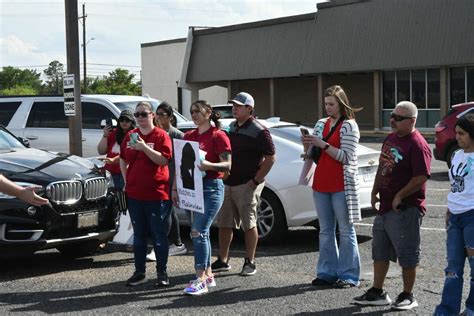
[(50, 284)]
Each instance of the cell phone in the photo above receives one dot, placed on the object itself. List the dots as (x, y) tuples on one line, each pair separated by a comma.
[(304, 131), (133, 138)]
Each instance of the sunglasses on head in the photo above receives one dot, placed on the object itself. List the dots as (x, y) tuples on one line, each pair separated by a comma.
[(142, 114), (161, 114), (398, 118)]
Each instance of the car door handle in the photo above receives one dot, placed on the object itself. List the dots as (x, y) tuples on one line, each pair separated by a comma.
[(31, 137)]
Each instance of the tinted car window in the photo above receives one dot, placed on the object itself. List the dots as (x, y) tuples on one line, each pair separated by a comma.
[(7, 109), (93, 114), (47, 114)]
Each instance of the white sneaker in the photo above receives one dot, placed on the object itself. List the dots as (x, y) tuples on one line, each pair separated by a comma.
[(177, 250), (151, 256)]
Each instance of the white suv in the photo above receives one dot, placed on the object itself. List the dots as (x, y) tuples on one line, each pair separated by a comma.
[(41, 119)]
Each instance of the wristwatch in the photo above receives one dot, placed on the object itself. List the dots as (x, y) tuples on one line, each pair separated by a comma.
[(326, 147)]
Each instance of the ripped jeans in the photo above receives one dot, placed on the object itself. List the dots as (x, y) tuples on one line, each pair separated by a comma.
[(460, 237), (201, 222)]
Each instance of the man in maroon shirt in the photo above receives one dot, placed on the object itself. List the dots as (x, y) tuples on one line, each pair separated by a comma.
[(400, 183), (253, 155)]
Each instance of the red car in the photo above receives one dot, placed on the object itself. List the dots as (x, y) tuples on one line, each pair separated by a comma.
[(445, 140)]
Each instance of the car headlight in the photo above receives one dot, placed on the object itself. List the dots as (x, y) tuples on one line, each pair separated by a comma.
[(110, 179), (39, 191)]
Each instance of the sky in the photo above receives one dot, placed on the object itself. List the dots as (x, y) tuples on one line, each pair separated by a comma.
[(32, 32)]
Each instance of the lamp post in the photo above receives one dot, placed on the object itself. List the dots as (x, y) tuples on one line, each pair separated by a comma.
[(84, 45)]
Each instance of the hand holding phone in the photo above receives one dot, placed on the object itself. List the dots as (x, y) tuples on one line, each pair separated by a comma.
[(304, 132)]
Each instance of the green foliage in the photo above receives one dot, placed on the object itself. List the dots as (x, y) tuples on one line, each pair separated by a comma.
[(19, 90), (119, 81), (11, 77), (54, 82), (14, 81)]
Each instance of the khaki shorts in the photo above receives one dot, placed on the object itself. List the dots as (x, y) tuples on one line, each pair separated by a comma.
[(240, 206)]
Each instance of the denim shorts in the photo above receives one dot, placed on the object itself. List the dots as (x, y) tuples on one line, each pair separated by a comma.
[(396, 235)]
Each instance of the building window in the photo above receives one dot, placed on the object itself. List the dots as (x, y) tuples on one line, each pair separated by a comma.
[(461, 84), (420, 86)]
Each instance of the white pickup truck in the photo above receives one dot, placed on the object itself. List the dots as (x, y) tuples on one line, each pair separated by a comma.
[(41, 119)]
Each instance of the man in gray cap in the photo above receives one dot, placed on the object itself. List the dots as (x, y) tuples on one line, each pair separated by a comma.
[(253, 155)]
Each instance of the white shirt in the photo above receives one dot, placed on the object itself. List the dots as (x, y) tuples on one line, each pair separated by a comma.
[(461, 177)]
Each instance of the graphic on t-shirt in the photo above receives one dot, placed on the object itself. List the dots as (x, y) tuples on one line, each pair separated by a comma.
[(458, 173), (115, 149)]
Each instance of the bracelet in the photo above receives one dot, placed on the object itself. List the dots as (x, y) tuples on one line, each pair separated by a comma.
[(326, 147)]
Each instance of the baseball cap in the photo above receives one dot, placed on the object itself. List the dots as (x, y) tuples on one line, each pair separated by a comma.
[(243, 98), (127, 113)]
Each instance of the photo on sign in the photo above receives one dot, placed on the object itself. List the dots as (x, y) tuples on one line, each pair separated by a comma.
[(188, 176)]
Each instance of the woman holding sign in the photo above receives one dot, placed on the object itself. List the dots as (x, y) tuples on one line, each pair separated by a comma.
[(217, 160), (144, 156)]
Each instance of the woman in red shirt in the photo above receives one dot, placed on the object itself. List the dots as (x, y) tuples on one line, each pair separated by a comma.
[(110, 145), (144, 157), (217, 160), (335, 191)]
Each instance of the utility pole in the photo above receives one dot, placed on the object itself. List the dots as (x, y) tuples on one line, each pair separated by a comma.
[(73, 67), (83, 17)]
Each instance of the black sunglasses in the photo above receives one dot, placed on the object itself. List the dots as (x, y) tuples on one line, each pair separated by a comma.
[(124, 119), (142, 114), (398, 118)]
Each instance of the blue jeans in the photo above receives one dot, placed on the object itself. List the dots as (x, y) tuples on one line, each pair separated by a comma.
[(460, 233), (335, 263), (150, 219), (118, 181), (201, 222)]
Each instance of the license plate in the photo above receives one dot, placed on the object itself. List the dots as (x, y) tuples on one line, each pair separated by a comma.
[(368, 173), (87, 220)]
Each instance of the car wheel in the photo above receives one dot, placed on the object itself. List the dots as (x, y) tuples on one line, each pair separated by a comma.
[(450, 153), (271, 220), (84, 249)]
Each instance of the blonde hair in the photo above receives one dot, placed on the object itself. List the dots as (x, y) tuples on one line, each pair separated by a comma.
[(338, 93)]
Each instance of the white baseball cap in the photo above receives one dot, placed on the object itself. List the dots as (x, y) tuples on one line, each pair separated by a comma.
[(243, 98)]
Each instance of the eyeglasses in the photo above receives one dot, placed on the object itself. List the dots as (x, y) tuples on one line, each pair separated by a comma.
[(161, 114), (399, 118), (124, 119), (142, 114)]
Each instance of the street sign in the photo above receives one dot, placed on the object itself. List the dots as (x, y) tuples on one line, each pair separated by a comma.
[(69, 106)]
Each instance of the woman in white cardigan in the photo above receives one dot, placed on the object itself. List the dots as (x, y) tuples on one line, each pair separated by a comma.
[(335, 191)]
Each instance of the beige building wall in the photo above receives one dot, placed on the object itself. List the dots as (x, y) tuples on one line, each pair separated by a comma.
[(161, 69)]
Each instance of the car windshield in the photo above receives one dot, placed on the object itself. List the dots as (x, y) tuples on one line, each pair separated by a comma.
[(290, 132), (7, 141)]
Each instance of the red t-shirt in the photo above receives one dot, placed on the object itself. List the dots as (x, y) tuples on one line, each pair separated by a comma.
[(214, 142), (113, 150), (146, 180), (403, 158), (329, 174)]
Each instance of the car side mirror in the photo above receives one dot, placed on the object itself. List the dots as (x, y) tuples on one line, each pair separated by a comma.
[(24, 141)]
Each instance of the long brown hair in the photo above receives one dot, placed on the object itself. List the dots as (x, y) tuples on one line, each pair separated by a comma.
[(341, 97)]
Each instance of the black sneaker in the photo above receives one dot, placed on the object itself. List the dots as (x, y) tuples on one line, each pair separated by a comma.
[(405, 301), (220, 266), (248, 268), (321, 282), (373, 298), (136, 279), (162, 279)]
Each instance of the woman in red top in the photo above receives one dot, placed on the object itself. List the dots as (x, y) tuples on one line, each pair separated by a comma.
[(144, 157), (217, 160), (336, 191), (110, 144)]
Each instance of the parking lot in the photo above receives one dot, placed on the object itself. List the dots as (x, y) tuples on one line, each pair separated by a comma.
[(49, 283)]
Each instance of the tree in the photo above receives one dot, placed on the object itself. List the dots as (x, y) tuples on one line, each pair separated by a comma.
[(11, 77), (19, 90), (54, 74), (119, 81)]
